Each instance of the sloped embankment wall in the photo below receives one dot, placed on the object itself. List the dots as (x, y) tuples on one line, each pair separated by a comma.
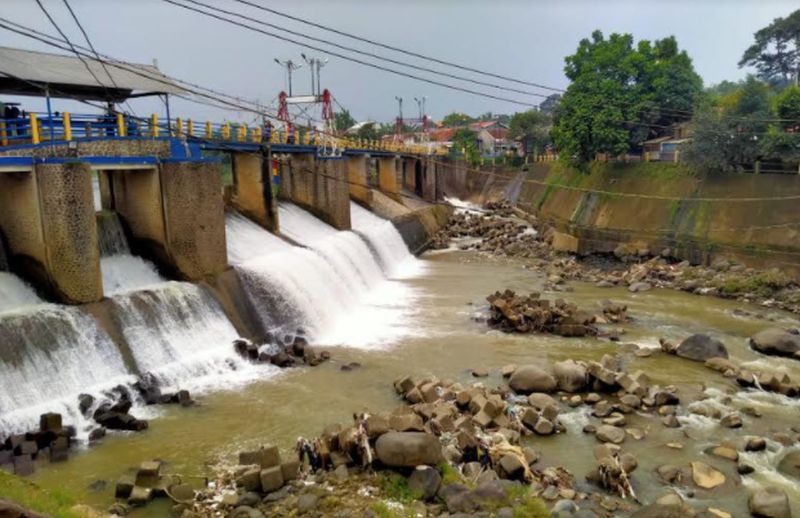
[(751, 218)]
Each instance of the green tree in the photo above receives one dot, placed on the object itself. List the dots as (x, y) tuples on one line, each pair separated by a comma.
[(456, 119), (787, 107), (549, 105), (465, 143), (728, 134), (776, 51), (620, 95), (532, 128), (368, 131), (343, 120)]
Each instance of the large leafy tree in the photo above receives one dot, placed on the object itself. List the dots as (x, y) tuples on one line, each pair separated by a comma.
[(776, 51), (729, 133), (621, 94), (549, 105), (343, 120), (465, 143), (532, 128), (456, 119)]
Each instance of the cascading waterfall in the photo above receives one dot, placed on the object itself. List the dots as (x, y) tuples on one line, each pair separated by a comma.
[(178, 333), (50, 355), (384, 238), (122, 271), (333, 287), (15, 293)]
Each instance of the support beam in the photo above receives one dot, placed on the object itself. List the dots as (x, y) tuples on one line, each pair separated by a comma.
[(319, 186), (253, 194), (47, 218), (409, 173), (429, 180), (390, 178), (358, 178), (176, 216)]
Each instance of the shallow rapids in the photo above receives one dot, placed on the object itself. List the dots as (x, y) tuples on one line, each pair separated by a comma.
[(452, 341)]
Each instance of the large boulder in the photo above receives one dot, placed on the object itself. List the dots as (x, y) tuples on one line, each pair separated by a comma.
[(790, 465), (570, 376), (769, 502), (776, 342), (425, 482), (408, 449), (700, 348), (530, 378)]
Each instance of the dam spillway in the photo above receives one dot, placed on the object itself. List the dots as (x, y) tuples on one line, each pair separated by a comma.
[(338, 287)]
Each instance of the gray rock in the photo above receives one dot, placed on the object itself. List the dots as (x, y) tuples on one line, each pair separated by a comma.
[(564, 509), (608, 433), (425, 481), (530, 378), (776, 342), (790, 464), (246, 511), (700, 347), (250, 499), (570, 376), (408, 449), (638, 287), (769, 502), (307, 502)]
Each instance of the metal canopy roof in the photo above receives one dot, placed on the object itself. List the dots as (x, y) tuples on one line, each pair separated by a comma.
[(28, 72)]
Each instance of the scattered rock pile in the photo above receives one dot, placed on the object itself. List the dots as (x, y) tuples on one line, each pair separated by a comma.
[(496, 231), (291, 351), (50, 443), (150, 483), (510, 312)]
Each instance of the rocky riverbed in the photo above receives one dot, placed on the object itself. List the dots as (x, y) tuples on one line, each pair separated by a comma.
[(498, 412), (455, 449), (498, 229)]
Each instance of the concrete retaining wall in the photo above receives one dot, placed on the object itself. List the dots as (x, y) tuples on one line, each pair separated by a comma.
[(665, 206)]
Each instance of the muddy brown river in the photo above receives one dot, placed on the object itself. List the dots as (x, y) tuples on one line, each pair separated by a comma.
[(442, 335)]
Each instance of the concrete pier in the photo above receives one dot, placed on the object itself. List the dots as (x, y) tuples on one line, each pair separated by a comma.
[(390, 176), (252, 189), (175, 214), (358, 176), (47, 219), (318, 185)]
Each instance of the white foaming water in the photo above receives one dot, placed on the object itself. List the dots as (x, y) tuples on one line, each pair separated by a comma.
[(381, 234), (462, 205), (15, 293), (250, 239), (335, 289), (125, 273), (50, 355), (122, 272), (301, 226), (178, 333)]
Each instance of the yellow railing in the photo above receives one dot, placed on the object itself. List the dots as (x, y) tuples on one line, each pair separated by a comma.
[(236, 132)]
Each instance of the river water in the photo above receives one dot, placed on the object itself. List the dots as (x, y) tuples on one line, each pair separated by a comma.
[(419, 317)]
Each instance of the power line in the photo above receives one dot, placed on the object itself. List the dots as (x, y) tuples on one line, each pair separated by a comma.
[(397, 49), (85, 64), (352, 59), (94, 51), (366, 53)]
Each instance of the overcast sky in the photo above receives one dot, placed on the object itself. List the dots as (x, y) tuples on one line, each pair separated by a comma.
[(523, 39)]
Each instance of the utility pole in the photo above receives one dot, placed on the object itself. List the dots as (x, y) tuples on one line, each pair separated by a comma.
[(290, 67), (420, 106), (315, 64)]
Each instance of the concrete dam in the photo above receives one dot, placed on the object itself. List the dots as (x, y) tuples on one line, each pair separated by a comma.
[(112, 270)]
